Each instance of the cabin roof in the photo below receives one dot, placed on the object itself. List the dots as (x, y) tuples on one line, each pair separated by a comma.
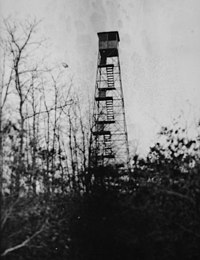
[(116, 32)]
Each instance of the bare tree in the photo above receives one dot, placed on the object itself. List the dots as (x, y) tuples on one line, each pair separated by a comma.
[(19, 42), (5, 83)]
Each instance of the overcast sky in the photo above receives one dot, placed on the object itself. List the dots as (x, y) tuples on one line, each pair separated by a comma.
[(159, 53)]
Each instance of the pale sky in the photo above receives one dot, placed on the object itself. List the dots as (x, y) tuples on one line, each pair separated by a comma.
[(159, 53)]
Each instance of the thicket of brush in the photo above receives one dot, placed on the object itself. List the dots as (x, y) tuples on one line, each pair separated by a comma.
[(152, 214)]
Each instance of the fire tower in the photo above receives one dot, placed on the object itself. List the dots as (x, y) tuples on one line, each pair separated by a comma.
[(109, 140)]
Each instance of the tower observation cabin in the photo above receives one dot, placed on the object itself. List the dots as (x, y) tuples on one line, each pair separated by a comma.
[(108, 45)]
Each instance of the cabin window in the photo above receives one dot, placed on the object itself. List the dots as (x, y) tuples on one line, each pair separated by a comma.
[(103, 37), (112, 37)]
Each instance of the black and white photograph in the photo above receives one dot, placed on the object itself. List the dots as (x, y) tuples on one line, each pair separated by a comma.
[(100, 129)]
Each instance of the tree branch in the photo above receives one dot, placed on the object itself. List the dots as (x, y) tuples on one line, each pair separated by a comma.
[(49, 110), (25, 242)]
